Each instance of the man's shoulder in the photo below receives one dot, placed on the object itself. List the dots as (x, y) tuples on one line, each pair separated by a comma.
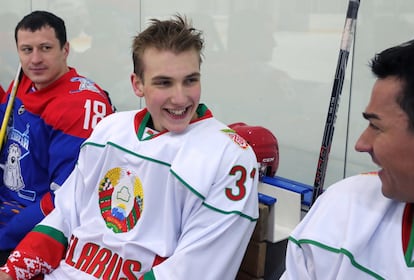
[(217, 147), (81, 93), (118, 121), (364, 182), (212, 133), (357, 187), (347, 201), (74, 86), (348, 217), (120, 118)]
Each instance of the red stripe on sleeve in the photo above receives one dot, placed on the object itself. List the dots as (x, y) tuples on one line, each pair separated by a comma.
[(46, 203), (37, 254)]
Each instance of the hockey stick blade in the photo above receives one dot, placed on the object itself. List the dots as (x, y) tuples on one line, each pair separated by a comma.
[(346, 42)]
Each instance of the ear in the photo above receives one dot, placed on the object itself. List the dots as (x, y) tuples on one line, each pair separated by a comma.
[(137, 85), (66, 48)]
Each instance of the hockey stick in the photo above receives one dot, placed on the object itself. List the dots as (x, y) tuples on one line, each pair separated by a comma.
[(346, 42), (9, 107)]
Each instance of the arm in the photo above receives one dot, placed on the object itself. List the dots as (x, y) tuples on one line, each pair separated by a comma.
[(69, 132), (33, 255), (215, 246), (21, 224), (217, 229), (303, 259), (296, 264), (62, 157)]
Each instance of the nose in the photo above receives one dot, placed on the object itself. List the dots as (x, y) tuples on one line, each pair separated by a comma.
[(178, 96), (364, 142), (36, 56)]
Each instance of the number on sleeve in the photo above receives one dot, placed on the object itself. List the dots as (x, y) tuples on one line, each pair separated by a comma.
[(238, 191)]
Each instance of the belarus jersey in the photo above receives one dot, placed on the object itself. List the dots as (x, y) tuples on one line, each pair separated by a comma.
[(353, 232), (167, 205), (44, 134)]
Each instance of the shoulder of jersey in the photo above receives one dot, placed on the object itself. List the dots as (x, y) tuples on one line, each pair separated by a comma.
[(235, 138), (116, 121)]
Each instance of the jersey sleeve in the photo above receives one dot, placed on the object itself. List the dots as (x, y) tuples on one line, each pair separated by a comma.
[(75, 123), (68, 200), (219, 224), (33, 256), (303, 259), (73, 118), (21, 224), (330, 242), (70, 127), (297, 265)]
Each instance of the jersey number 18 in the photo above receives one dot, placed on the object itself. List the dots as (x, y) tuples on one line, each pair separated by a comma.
[(94, 112)]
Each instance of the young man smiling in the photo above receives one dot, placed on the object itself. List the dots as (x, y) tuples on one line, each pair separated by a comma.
[(166, 192)]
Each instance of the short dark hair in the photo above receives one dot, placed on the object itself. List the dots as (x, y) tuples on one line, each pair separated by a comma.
[(38, 19), (175, 35), (398, 61)]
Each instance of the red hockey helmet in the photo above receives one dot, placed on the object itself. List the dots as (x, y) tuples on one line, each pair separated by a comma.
[(264, 144)]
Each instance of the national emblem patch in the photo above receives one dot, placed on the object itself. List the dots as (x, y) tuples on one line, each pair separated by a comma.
[(121, 199)]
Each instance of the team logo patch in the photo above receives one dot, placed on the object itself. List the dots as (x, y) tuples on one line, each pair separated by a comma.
[(236, 138), (121, 199), (84, 84)]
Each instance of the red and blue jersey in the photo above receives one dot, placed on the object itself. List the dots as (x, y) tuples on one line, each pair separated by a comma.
[(44, 133)]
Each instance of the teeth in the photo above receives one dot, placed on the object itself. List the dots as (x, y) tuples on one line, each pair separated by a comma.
[(177, 112)]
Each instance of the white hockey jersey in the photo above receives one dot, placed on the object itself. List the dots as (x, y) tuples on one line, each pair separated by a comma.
[(352, 232), (173, 206)]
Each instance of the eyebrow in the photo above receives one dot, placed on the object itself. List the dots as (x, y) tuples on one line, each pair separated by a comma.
[(195, 74), (369, 116), (161, 77)]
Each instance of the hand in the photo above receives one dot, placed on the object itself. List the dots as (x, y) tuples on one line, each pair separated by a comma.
[(5, 276)]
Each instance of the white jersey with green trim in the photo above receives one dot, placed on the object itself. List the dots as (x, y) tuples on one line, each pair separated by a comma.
[(189, 198), (351, 232)]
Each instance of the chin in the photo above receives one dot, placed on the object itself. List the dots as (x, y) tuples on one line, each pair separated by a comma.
[(178, 128), (387, 195), (386, 191), (392, 194)]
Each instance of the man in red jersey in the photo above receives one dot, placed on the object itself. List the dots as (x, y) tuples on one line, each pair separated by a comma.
[(54, 111)]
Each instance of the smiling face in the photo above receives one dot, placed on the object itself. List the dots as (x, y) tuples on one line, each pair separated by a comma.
[(171, 87), (389, 141), (41, 56)]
